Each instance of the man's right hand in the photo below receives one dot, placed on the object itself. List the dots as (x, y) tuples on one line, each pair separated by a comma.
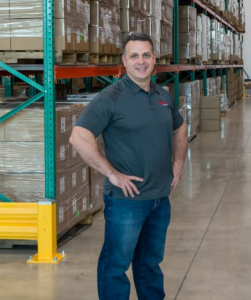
[(125, 183)]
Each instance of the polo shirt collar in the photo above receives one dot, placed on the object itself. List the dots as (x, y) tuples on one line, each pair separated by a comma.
[(134, 88)]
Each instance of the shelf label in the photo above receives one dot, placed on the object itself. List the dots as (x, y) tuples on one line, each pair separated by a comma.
[(84, 204), (74, 179), (74, 205)]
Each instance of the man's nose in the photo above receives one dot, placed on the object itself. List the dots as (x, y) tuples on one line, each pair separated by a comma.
[(141, 60)]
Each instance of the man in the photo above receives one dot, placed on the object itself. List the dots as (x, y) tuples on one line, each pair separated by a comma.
[(141, 126)]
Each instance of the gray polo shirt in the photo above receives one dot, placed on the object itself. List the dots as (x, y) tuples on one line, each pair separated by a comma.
[(137, 128)]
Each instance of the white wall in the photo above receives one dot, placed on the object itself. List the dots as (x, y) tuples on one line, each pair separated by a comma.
[(247, 39)]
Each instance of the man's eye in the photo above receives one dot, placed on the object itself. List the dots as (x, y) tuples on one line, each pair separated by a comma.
[(134, 56), (147, 55)]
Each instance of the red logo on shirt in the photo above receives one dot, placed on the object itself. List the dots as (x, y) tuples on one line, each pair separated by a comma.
[(163, 103)]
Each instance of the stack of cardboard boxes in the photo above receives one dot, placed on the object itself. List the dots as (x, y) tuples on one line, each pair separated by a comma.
[(210, 114), (145, 16), (191, 90), (187, 32), (105, 34), (206, 38), (199, 37), (21, 25), (166, 40), (22, 167)]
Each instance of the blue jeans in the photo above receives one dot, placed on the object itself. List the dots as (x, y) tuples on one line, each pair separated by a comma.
[(135, 232)]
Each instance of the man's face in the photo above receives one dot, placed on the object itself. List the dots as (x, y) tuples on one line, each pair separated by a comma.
[(139, 60)]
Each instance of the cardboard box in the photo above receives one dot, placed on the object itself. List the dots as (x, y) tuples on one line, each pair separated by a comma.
[(187, 12), (64, 9), (96, 194), (210, 102), (117, 43), (78, 85), (62, 154), (78, 177), (30, 122), (78, 206), (5, 10), (27, 34), (64, 34), (98, 42), (26, 9), (80, 38), (23, 157), (127, 20), (2, 125), (62, 217), (24, 187), (5, 33), (63, 123), (62, 186), (210, 125), (210, 114)]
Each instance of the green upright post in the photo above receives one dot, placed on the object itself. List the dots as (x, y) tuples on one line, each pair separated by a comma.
[(226, 4), (214, 73), (205, 82), (8, 86), (176, 48), (154, 78), (192, 76), (88, 84), (49, 99)]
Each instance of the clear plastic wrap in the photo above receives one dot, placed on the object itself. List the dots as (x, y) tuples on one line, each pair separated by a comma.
[(224, 103), (105, 34), (187, 29), (167, 13), (211, 87), (192, 92), (22, 156), (199, 37)]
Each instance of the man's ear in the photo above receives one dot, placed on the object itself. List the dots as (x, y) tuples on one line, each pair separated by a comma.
[(123, 59)]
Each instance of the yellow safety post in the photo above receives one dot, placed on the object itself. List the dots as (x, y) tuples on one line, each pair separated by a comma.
[(46, 235), (32, 221)]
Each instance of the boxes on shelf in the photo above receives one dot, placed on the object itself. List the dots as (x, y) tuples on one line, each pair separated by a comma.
[(187, 30), (210, 115), (24, 27), (105, 33)]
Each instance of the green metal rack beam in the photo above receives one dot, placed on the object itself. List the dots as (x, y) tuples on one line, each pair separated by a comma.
[(49, 99), (21, 107)]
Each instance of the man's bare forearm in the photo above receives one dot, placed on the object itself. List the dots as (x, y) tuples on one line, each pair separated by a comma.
[(180, 144), (86, 146)]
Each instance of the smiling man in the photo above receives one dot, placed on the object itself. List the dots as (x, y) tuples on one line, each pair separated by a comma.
[(145, 144)]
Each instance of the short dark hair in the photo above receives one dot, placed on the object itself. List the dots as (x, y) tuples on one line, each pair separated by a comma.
[(135, 36)]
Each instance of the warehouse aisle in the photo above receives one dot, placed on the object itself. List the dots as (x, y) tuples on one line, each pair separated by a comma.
[(208, 243)]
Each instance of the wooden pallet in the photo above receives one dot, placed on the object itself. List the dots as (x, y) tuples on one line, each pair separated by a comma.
[(163, 61), (192, 61), (14, 57), (36, 57), (208, 62), (71, 58), (84, 224), (79, 227), (104, 59)]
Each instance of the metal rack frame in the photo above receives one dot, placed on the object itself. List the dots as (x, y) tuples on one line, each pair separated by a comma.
[(10, 212)]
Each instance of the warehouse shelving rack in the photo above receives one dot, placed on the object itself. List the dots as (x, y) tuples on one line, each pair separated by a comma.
[(37, 221)]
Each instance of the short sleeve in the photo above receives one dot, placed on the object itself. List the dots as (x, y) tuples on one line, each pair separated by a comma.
[(97, 115), (177, 117)]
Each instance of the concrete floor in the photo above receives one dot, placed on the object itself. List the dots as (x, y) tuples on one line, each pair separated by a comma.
[(208, 250)]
